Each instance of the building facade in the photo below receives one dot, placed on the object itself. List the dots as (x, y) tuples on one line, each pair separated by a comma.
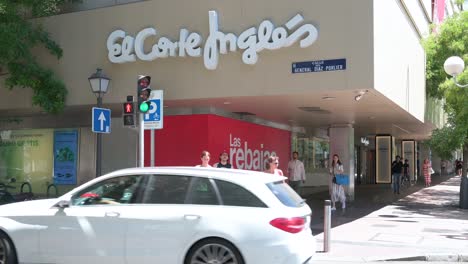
[(254, 78)]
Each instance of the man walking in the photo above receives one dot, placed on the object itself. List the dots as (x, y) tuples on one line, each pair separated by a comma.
[(397, 169), (296, 172), (223, 161)]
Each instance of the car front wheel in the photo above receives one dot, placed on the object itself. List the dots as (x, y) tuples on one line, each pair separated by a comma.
[(7, 250), (214, 251)]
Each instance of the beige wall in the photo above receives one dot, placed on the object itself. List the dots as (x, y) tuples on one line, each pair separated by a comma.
[(345, 31), (93, 4), (399, 62)]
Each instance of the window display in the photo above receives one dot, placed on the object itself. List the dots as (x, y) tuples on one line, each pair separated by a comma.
[(27, 159)]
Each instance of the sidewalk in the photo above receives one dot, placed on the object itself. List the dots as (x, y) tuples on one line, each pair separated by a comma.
[(419, 224)]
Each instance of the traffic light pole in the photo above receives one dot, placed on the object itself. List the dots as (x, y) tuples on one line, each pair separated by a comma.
[(142, 140)]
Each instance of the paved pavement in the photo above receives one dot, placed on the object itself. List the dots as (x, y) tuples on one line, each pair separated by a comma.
[(420, 224)]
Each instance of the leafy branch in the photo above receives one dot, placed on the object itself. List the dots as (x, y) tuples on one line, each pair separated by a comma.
[(19, 36)]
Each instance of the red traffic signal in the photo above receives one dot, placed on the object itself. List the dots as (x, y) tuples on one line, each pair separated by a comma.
[(144, 82), (128, 108), (143, 92)]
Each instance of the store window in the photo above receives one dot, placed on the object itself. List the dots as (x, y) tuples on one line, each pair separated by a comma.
[(314, 153), (33, 159)]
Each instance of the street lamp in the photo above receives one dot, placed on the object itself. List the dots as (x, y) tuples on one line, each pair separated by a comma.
[(453, 66), (99, 83)]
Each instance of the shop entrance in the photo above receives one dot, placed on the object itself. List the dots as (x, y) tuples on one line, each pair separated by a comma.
[(315, 154)]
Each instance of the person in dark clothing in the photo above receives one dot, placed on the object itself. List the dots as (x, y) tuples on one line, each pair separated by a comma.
[(223, 161), (459, 167), (406, 171), (397, 169)]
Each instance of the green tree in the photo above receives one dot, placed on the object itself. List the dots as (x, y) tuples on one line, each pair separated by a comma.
[(19, 35), (451, 39)]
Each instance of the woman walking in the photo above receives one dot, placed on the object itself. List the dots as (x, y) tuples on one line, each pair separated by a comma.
[(337, 192), (205, 159), (272, 166), (427, 172)]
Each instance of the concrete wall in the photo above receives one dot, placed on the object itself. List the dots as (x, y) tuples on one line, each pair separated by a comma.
[(419, 15), (427, 6), (399, 59), (93, 4), (119, 148)]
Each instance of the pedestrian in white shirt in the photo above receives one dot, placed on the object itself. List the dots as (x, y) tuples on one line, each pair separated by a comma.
[(296, 172)]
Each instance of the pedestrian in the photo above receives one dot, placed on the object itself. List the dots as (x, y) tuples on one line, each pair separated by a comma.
[(296, 172), (427, 171), (223, 161), (459, 167), (443, 165), (272, 166), (205, 159), (397, 169), (406, 176), (337, 192)]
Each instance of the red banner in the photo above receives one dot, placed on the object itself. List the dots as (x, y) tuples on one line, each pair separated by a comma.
[(184, 137)]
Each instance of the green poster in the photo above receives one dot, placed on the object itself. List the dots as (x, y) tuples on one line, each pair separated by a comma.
[(26, 156)]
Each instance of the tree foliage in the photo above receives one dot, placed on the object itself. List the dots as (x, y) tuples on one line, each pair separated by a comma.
[(451, 39), (18, 37)]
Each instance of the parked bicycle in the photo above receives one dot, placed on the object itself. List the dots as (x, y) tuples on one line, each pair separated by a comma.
[(52, 191), (7, 197)]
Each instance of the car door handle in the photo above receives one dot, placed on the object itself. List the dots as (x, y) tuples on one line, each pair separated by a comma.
[(191, 217), (112, 214)]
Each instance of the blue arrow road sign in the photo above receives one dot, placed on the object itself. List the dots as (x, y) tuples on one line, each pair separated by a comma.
[(101, 120)]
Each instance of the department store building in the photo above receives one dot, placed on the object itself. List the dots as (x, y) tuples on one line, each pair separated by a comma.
[(253, 78)]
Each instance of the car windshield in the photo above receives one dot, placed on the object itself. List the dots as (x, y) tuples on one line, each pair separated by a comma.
[(285, 194)]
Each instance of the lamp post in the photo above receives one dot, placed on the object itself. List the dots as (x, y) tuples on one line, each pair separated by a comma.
[(99, 83), (453, 66)]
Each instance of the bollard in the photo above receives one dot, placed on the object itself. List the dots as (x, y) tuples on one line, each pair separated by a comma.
[(463, 204), (326, 226)]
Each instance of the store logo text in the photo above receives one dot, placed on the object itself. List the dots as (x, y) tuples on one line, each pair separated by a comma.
[(124, 48)]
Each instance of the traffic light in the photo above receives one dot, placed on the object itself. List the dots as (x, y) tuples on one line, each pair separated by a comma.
[(129, 120), (129, 112), (128, 108), (143, 93)]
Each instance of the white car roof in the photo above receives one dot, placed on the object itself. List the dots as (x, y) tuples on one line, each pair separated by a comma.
[(234, 175)]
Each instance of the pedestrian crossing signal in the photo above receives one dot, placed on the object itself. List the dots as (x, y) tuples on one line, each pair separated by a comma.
[(129, 120), (128, 108), (128, 116)]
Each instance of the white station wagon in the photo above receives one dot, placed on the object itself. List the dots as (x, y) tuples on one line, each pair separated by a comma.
[(180, 215)]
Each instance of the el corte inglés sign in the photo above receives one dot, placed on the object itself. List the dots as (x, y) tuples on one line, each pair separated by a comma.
[(124, 48)]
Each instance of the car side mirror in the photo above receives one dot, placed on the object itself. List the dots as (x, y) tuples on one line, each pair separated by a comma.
[(63, 204)]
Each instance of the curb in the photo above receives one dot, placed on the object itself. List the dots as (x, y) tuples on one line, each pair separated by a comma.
[(435, 257)]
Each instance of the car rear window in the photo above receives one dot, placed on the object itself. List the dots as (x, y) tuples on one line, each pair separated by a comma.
[(235, 195), (286, 194)]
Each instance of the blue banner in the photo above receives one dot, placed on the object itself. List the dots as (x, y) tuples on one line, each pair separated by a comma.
[(319, 66), (65, 157)]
